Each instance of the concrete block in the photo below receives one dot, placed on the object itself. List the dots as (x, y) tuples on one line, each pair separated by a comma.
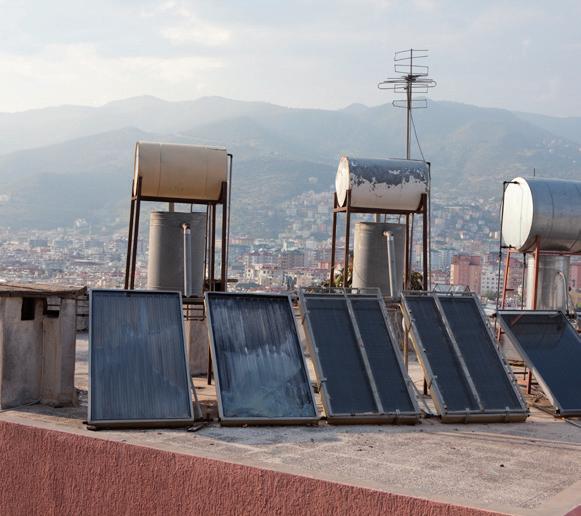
[(197, 342), (58, 364), (20, 350)]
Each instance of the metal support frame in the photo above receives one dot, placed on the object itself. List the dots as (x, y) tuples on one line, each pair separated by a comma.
[(133, 236), (349, 210)]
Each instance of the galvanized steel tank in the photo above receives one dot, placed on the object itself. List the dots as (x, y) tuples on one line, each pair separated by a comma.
[(552, 285), (165, 268), (549, 209), (391, 184), (370, 263), (173, 171)]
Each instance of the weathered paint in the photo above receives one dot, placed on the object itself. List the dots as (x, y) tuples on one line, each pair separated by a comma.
[(50, 472)]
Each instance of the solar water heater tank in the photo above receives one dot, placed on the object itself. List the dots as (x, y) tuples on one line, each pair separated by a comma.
[(165, 269), (545, 209), (175, 171), (393, 184)]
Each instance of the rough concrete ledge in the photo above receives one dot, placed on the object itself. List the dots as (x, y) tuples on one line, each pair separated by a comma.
[(45, 471)]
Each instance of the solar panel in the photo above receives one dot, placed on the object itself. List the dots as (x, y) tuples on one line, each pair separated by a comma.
[(138, 372), (469, 378), (261, 374), (357, 362), (551, 347)]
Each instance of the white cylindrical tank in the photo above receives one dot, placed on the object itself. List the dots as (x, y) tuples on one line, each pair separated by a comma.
[(390, 184), (370, 256), (549, 209), (165, 267), (174, 171)]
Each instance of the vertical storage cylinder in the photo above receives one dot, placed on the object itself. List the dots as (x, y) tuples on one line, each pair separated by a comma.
[(370, 257), (552, 285), (165, 270)]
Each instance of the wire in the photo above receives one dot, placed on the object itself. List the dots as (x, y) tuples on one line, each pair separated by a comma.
[(416, 135)]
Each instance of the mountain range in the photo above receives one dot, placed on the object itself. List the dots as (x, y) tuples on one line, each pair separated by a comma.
[(64, 163)]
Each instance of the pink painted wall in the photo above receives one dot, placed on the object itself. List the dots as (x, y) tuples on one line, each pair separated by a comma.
[(52, 473)]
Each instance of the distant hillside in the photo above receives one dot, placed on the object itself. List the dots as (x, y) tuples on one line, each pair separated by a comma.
[(76, 162)]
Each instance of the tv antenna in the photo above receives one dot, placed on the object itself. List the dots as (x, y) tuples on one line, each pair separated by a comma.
[(413, 80)]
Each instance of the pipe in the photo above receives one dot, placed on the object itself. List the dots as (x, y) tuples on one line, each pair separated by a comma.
[(187, 259), (391, 272)]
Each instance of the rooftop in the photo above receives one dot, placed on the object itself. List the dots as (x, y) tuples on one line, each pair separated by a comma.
[(518, 468)]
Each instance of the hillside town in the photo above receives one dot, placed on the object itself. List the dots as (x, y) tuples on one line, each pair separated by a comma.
[(465, 245)]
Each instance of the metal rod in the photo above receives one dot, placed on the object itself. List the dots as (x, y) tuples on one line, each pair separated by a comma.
[(129, 239), (135, 238)]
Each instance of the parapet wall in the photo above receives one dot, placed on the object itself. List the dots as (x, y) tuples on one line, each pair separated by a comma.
[(45, 471)]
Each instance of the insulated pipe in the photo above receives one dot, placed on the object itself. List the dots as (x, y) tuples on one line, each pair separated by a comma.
[(391, 262), (187, 232)]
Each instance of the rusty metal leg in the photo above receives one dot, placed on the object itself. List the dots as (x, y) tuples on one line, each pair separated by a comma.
[(135, 241), (425, 387), (129, 242), (529, 382)]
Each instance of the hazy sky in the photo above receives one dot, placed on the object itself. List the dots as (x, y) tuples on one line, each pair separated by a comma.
[(522, 55)]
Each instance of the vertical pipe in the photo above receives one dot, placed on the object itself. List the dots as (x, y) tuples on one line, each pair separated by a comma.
[(406, 270), (224, 259), (347, 231), (537, 256), (390, 263), (425, 246), (333, 242), (187, 233), (212, 246)]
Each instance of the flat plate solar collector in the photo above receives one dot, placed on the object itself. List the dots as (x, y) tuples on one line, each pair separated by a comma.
[(138, 370), (551, 348), (259, 367), (468, 377), (358, 366)]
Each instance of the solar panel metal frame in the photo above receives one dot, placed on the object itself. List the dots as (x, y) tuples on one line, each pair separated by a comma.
[(194, 407), (458, 416), (559, 410), (342, 418), (237, 421)]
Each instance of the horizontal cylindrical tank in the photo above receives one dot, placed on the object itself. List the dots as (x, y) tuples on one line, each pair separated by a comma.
[(165, 268), (370, 257), (552, 284), (174, 171), (547, 209), (390, 184)]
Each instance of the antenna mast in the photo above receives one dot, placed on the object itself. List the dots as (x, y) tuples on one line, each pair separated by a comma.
[(413, 79)]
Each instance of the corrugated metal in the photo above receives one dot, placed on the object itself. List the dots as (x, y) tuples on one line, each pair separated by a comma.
[(138, 371), (551, 347), (359, 367), (469, 379), (260, 371)]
